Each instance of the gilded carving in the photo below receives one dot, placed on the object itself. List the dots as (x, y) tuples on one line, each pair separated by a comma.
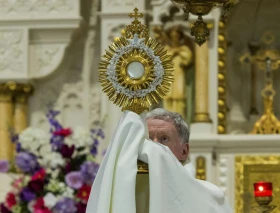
[(201, 168), (143, 168), (222, 79), (251, 169), (15, 90)]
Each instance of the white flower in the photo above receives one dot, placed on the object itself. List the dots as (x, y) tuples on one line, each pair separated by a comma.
[(56, 186), (30, 205), (52, 159), (32, 138), (69, 141), (79, 138), (68, 192), (45, 149), (50, 200)]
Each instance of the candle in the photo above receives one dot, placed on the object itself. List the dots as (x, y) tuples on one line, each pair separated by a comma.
[(263, 189)]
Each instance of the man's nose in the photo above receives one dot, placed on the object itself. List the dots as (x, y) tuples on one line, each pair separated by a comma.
[(154, 139)]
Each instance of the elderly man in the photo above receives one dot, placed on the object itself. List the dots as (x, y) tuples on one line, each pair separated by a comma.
[(169, 129), (169, 187)]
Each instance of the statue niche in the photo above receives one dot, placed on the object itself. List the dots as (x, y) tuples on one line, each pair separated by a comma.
[(181, 50)]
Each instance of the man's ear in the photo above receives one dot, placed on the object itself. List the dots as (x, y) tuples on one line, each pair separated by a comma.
[(185, 151)]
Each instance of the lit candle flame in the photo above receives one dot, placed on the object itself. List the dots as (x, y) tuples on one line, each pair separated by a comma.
[(261, 188)]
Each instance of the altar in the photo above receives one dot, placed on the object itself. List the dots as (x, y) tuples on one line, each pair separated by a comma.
[(228, 88)]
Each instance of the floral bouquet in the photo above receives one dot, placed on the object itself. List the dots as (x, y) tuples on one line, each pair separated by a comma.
[(58, 169)]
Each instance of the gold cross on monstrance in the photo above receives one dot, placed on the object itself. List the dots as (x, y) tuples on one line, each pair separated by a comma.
[(136, 15)]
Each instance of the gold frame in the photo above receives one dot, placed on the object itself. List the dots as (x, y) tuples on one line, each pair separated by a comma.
[(250, 169), (135, 56)]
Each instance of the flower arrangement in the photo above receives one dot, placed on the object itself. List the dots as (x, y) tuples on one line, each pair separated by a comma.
[(58, 169)]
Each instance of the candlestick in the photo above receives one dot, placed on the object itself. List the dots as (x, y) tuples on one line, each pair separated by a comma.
[(263, 189), (263, 196)]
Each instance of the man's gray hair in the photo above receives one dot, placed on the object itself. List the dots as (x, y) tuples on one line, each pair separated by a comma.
[(176, 118)]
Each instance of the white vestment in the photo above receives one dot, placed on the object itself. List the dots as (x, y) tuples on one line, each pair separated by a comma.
[(172, 188)]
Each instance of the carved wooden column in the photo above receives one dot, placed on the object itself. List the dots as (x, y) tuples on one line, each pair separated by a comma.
[(201, 83), (6, 121), (23, 91)]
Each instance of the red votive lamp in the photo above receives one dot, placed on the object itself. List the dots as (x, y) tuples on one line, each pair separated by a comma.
[(263, 189)]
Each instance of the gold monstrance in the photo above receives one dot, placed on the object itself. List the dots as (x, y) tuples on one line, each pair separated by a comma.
[(136, 72)]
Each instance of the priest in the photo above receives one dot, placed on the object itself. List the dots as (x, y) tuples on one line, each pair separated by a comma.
[(160, 139), (136, 73)]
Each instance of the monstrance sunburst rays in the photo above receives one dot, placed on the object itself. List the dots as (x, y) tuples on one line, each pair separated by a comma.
[(136, 72)]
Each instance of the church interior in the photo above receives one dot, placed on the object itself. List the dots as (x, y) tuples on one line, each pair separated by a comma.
[(226, 82)]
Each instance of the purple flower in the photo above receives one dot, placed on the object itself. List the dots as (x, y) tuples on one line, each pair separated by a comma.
[(27, 195), (66, 205), (93, 150), (74, 180), (100, 133), (18, 147), (14, 136), (57, 142), (95, 142), (15, 139), (89, 171), (4, 166), (51, 117), (26, 162)]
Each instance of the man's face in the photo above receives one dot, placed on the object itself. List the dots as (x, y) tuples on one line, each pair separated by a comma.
[(165, 132)]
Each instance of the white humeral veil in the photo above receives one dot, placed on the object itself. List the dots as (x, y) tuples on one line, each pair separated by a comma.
[(172, 187)]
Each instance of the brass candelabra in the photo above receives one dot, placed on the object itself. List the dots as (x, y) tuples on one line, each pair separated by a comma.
[(201, 8)]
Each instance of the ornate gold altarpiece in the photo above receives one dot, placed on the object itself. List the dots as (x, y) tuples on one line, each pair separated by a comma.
[(252, 169)]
